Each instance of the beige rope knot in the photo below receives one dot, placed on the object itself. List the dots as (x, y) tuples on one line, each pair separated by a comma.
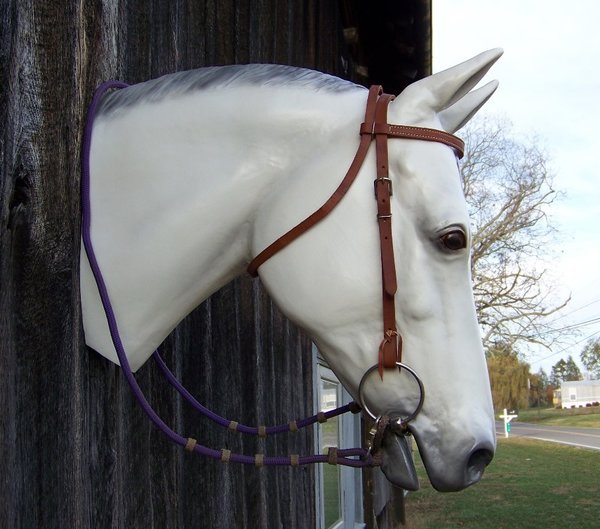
[(232, 426), (191, 443), (332, 455)]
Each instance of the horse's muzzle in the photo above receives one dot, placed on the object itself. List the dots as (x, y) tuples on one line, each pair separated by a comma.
[(458, 475)]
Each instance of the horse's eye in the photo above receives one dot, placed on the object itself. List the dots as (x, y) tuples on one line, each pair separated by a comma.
[(454, 240)]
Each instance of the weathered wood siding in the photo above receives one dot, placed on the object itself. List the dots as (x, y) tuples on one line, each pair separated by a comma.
[(75, 450)]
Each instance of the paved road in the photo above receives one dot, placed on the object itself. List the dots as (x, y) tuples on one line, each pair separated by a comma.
[(582, 437)]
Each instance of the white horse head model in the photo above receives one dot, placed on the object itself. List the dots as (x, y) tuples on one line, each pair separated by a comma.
[(222, 161)]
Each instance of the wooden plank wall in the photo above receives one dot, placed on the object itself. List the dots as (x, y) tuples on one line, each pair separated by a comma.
[(75, 451)]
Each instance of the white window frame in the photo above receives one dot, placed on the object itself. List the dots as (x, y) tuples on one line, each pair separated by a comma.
[(349, 435)]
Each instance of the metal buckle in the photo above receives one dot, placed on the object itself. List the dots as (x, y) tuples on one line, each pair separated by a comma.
[(386, 179)]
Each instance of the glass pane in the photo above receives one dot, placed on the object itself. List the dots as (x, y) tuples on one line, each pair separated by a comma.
[(330, 437)]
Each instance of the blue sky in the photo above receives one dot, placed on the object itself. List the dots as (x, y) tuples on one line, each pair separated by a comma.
[(549, 87)]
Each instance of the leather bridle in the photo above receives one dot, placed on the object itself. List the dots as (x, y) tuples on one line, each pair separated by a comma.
[(375, 127)]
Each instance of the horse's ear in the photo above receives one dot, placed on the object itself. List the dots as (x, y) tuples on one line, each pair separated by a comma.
[(443, 90), (454, 117)]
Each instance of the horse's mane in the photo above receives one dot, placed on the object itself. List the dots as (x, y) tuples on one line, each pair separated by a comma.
[(220, 77)]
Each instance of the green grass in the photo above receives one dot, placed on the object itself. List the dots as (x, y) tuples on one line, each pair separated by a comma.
[(576, 417), (529, 485)]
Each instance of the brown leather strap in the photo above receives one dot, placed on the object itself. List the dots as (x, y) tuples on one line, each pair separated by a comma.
[(383, 193), (334, 199), (378, 432), (416, 133), (389, 350)]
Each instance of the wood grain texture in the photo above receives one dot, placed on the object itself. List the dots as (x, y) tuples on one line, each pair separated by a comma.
[(75, 450)]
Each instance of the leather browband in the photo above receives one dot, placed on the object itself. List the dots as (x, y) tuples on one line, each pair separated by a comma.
[(416, 133), (375, 127)]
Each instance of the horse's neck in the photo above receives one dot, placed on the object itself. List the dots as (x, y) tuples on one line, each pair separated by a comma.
[(176, 187)]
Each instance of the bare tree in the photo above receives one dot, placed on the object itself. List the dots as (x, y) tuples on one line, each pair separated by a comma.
[(508, 187)]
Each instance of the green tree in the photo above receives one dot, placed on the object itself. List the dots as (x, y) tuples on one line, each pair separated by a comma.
[(565, 370), (508, 377), (558, 373), (539, 383), (590, 358), (573, 372)]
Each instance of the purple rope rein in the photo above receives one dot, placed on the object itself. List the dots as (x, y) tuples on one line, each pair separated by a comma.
[(353, 457), (242, 428)]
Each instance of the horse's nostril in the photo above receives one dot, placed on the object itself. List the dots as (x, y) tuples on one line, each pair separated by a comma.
[(478, 460)]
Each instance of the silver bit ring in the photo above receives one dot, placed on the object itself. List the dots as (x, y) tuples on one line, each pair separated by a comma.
[(400, 366)]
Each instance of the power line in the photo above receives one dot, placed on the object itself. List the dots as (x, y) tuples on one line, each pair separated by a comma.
[(584, 323), (560, 317), (535, 361)]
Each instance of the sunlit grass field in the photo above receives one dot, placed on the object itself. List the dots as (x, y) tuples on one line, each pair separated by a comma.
[(529, 485), (579, 417)]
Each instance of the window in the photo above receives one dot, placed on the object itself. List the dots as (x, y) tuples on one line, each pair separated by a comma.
[(338, 488)]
